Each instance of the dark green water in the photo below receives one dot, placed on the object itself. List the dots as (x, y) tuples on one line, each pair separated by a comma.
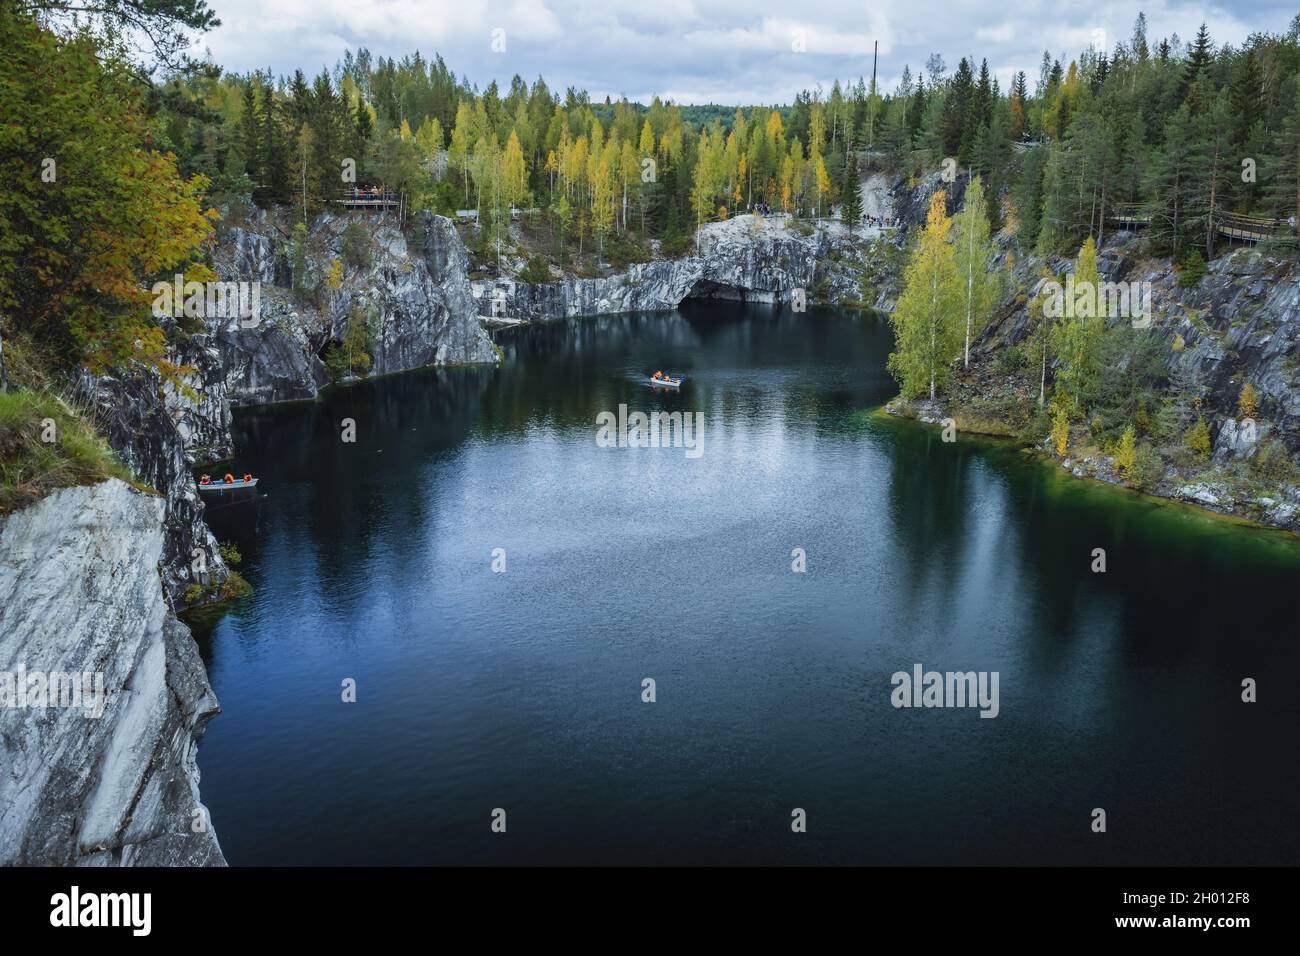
[(522, 690)]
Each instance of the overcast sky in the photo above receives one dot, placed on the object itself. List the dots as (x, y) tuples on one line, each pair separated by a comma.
[(700, 51)]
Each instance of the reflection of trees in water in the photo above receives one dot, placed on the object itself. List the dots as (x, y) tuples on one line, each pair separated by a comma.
[(332, 497), (929, 506), (813, 367)]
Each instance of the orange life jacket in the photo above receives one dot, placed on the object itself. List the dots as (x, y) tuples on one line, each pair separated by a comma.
[(229, 478), (248, 477)]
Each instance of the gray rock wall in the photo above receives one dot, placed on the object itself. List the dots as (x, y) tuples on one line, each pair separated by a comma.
[(747, 258), (80, 592)]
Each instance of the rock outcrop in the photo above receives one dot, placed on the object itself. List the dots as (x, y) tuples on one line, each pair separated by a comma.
[(748, 258), (140, 421), (80, 595), (416, 303), (1240, 323)]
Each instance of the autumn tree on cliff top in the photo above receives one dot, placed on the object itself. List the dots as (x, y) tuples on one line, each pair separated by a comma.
[(91, 215)]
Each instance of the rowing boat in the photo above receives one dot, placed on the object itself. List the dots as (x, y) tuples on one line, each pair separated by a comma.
[(670, 382), (238, 485)]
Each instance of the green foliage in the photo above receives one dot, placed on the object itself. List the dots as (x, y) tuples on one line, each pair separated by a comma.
[(973, 256), (91, 213), (927, 328), (1129, 376), (355, 246), (1272, 463), (1197, 440), (624, 248), (536, 271), (1079, 334), (1011, 360), (1147, 470), (1193, 270), (230, 553), (1125, 450), (352, 356)]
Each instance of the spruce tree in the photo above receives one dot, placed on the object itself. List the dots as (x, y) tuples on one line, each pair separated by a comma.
[(850, 195)]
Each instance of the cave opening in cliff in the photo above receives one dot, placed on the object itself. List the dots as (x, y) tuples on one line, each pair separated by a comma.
[(707, 289)]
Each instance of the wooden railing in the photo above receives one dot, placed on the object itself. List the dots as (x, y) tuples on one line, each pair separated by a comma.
[(1230, 225), (367, 197)]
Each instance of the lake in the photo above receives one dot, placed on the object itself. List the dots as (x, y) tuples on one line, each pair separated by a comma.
[(522, 689)]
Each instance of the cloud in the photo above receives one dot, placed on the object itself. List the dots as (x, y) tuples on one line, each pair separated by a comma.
[(728, 51)]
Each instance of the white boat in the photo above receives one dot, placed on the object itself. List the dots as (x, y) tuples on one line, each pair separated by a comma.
[(239, 484), (670, 382)]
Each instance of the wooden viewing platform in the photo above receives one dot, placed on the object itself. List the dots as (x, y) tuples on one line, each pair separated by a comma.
[(1230, 225), (367, 198)]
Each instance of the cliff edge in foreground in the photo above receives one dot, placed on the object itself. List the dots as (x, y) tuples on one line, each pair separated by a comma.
[(81, 599)]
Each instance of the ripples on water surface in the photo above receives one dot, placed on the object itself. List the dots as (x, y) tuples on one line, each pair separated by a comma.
[(522, 690)]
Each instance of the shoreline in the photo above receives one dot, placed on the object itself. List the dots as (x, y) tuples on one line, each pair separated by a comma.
[(901, 410)]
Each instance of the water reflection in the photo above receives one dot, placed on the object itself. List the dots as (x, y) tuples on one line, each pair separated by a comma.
[(372, 560)]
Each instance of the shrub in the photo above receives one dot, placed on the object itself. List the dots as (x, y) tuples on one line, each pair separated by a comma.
[(353, 354), (1248, 402), (1148, 468), (1272, 462), (334, 279), (1193, 270), (355, 246), (1061, 431), (1010, 361), (537, 271), (1197, 440), (1125, 450), (229, 553)]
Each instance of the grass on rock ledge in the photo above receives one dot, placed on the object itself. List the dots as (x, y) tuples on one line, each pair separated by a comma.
[(32, 467)]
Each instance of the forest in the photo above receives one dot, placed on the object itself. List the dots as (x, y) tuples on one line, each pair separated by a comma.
[(1186, 131)]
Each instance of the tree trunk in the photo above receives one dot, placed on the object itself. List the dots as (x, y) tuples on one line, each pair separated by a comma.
[(934, 295), (1101, 229), (1042, 375), (1214, 185), (970, 280)]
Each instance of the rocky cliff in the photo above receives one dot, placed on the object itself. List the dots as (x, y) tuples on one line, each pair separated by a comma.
[(1238, 324), (140, 419), (749, 258), (413, 293), (80, 595)]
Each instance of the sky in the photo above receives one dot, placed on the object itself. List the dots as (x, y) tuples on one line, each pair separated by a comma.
[(740, 52)]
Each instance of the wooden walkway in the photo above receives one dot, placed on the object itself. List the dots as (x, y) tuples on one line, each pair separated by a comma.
[(1230, 225)]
